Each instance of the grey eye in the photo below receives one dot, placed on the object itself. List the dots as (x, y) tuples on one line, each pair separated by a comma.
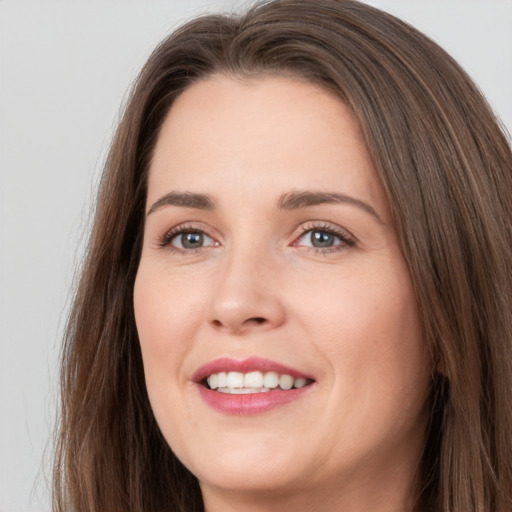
[(322, 239), (191, 240)]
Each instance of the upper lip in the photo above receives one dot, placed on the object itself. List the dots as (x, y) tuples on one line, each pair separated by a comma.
[(251, 364)]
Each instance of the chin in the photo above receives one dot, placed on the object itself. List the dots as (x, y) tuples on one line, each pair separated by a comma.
[(247, 469), (268, 479)]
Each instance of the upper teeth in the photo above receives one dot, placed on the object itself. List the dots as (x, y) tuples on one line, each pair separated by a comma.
[(253, 382)]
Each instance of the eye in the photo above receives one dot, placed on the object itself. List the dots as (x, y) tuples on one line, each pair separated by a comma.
[(186, 238), (320, 239), (324, 239), (191, 240)]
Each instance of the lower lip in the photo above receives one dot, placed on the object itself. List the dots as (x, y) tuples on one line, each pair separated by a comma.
[(252, 403)]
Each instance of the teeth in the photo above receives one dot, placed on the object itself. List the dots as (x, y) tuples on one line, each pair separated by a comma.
[(221, 379), (271, 380), (235, 380), (286, 382), (213, 381), (252, 382), (242, 391), (299, 383)]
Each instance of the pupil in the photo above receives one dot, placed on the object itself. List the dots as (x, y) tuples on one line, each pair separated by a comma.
[(192, 240), (321, 239)]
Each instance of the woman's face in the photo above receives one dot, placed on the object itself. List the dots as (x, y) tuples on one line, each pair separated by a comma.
[(270, 259)]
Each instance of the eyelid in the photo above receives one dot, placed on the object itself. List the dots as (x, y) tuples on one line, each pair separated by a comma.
[(347, 239), (166, 238)]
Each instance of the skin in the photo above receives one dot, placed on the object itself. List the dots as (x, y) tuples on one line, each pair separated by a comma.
[(345, 314)]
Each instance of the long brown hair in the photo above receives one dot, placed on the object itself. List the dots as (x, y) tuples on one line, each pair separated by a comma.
[(447, 170)]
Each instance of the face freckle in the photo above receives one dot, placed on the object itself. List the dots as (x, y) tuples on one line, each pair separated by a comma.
[(269, 247)]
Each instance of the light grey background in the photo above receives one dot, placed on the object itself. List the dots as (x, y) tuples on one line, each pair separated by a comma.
[(64, 70)]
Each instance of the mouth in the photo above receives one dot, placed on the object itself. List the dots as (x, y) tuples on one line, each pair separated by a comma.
[(237, 383), (250, 386)]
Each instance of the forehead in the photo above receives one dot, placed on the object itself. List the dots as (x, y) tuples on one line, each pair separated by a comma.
[(271, 132)]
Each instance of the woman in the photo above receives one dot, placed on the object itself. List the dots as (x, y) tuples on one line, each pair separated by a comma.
[(297, 292)]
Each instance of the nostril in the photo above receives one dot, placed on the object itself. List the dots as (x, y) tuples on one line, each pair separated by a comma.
[(258, 320), (236, 326)]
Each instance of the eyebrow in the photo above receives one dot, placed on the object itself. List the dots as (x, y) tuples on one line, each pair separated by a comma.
[(184, 199), (288, 201), (296, 200)]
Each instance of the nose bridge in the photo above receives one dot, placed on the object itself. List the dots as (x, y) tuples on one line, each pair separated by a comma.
[(246, 295)]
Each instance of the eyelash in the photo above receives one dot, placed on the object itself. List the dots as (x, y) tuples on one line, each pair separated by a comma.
[(346, 239), (166, 239)]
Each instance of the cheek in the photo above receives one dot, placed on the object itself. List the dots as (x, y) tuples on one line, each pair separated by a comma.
[(379, 362), (164, 309), (165, 319), (367, 327)]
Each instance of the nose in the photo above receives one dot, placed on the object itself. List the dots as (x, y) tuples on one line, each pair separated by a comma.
[(247, 296)]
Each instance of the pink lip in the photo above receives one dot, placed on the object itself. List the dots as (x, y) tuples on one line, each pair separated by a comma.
[(252, 403), (251, 364)]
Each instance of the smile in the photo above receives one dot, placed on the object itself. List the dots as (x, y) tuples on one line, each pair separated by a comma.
[(238, 383), (249, 386)]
